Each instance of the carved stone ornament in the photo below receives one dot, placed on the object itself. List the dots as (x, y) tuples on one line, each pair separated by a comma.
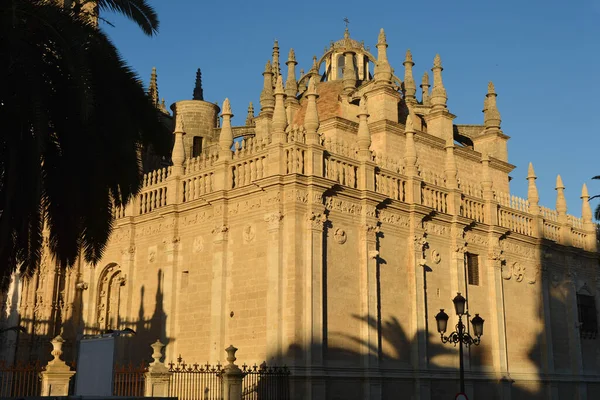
[(273, 219), (506, 272), (436, 256), (461, 247), (421, 243), (81, 285), (340, 236), (531, 274), (496, 253), (373, 254), (152, 254), (316, 221), (130, 250), (518, 271), (220, 232), (198, 244), (249, 233)]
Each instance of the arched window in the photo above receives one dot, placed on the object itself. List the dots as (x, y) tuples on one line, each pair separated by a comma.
[(109, 296)]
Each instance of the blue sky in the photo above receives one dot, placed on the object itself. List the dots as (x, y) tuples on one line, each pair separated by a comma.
[(542, 56)]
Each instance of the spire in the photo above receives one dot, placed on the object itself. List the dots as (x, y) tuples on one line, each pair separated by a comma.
[(532, 192), (198, 93), (302, 83), (276, 66), (383, 70), (250, 116), (586, 210), (153, 88), (410, 89), (291, 86), (314, 70), (561, 202), (410, 154), (226, 136), (425, 89), (311, 118), (438, 93), (279, 115), (267, 101), (363, 137), (349, 74), (491, 116)]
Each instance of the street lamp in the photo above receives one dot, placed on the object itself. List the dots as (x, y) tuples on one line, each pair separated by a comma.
[(460, 336)]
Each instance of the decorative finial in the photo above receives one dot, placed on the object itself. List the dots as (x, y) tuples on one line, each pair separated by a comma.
[(250, 116), (532, 192), (586, 209), (425, 89), (381, 37), (153, 87), (291, 86), (198, 93), (291, 55), (561, 202), (226, 108), (268, 67), (363, 137), (491, 115), (410, 154), (311, 118), (279, 86), (409, 126), (410, 88), (438, 93)]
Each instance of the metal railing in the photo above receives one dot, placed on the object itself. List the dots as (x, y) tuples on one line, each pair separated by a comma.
[(265, 383), (21, 379), (195, 381)]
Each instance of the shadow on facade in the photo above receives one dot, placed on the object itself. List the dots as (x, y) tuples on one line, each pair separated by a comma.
[(34, 344)]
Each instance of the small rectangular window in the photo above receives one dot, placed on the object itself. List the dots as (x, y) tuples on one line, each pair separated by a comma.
[(473, 269), (197, 146), (586, 308)]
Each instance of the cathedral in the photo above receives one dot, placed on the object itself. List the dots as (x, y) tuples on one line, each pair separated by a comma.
[(326, 234)]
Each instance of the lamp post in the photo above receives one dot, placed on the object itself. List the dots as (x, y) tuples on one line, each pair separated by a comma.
[(460, 335)]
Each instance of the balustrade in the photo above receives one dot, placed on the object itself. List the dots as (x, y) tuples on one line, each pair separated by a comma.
[(434, 197), (197, 185), (391, 185), (473, 209), (342, 171), (516, 221)]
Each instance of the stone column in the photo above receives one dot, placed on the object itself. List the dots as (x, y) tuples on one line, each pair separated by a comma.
[(416, 268), (370, 308), (274, 280), (573, 330), (56, 377), (158, 377), (548, 350), (218, 288), (313, 302), (232, 377), (497, 319)]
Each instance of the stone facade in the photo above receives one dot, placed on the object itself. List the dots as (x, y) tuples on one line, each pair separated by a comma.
[(327, 233)]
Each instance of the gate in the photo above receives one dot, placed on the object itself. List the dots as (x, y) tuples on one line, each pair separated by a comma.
[(21, 379), (129, 380)]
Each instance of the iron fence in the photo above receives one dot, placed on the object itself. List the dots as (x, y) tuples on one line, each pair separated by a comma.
[(265, 383), (21, 379), (195, 381), (129, 380)]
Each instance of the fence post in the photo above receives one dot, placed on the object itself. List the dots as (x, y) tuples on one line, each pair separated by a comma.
[(232, 377), (56, 377), (158, 377)]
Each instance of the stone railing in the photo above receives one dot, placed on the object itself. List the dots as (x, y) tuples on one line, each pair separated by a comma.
[(473, 208), (517, 221), (435, 197), (343, 170), (253, 159), (390, 184), (198, 183)]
